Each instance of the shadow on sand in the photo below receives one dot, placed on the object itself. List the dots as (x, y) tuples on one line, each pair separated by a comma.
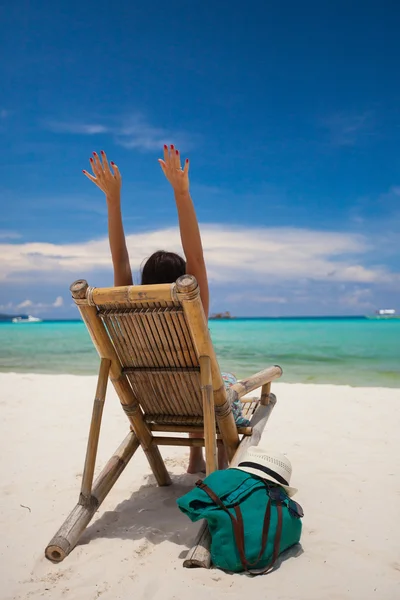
[(151, 513)]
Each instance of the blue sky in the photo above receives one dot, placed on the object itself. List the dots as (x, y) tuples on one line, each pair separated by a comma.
[(288, 111)]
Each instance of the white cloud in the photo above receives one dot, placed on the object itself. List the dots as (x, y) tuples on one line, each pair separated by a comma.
[(133, 132), (391, 197), (9, 235), (233, 255), (74, 127), (346, 129), (358, 298), (137, 133), (25, 304), (6, 306), (257, 298), (58, 302)]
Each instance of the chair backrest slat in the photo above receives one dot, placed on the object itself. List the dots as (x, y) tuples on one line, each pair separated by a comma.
[(156, 351)]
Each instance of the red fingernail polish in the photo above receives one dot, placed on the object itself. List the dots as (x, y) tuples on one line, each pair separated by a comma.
[(187, 160), (172, 146), (83, 171), (177, 151), (102, 151), (91, 159), (95, 153), (165, 146), (111, 163)]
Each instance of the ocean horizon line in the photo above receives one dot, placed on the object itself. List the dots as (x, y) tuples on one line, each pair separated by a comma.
[(5, 318)]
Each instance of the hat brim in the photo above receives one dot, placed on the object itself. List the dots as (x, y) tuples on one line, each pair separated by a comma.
[(291, 491)]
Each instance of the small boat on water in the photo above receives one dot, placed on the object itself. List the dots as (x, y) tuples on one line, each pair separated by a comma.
[(28, 319), (385, 313)]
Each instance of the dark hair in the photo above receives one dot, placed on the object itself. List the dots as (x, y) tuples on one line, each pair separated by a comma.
[(163, 267)]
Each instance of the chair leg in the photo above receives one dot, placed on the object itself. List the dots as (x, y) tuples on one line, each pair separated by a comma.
[(199, 555), (133, 411), (258, 423), (93, 440), (69, 533), (210, 432), (265, 392), (157, 464)]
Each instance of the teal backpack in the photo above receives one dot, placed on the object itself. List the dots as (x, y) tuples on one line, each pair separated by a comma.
[(251, 520)]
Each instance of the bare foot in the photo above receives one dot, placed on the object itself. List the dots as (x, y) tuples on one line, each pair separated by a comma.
[(196, 460), (198, 466)]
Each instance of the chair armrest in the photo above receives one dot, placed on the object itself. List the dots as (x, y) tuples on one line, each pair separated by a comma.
[(241, 388)]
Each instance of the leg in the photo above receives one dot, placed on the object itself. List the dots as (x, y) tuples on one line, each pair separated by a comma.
[(196, 461), (222, 459)]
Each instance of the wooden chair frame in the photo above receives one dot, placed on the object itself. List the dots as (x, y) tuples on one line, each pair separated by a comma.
[(183, 296)]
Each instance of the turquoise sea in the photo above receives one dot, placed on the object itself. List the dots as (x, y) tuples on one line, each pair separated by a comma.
[(350, 351)]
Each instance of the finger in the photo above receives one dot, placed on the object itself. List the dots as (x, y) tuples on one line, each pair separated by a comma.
[(98, 165), (105, 162), (171, 158), (89, 176), (117, 174), (177, 162), (186, 167), (93, 165), (163, 165), (166, 155)]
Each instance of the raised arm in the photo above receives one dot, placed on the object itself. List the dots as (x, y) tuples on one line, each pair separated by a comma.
[(188, 225), (110, 183)]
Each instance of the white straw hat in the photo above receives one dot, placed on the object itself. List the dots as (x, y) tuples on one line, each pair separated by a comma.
[(272, 466)]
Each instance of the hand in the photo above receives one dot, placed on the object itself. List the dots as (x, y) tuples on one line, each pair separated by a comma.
[(171, 166), (108, 182)]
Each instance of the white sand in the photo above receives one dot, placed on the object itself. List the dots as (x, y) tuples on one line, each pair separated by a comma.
[(343, 443)]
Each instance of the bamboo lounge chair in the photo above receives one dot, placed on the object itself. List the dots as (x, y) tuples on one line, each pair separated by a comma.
[(155, 347)]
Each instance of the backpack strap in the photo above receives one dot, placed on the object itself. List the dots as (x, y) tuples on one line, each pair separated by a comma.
[(277, 542), (238, 530)]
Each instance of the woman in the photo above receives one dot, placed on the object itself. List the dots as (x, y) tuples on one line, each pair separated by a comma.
[(161, 267)]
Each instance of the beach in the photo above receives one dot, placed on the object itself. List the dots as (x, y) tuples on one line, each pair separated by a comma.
[(342, 442)]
